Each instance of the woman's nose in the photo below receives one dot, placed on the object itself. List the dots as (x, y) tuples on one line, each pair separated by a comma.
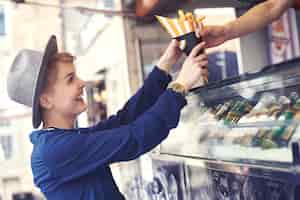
[(82, 83)]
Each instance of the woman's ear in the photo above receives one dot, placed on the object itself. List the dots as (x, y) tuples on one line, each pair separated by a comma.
[(45, 101)]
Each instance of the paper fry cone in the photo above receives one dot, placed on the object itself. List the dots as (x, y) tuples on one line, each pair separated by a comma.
[(188, 42), (183, 29)]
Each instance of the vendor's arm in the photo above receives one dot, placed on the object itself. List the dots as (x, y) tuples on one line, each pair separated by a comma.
[(253, 20), (257, 17)]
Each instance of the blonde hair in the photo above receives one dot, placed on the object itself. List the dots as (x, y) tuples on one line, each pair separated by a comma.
[(52, 67), (52, 71), (62, 57)]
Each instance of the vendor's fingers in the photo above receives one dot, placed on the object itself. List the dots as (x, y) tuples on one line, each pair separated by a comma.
[(206, 30), (199, 29), (203, 31), (197, 49), (198, 32), (200, 19)]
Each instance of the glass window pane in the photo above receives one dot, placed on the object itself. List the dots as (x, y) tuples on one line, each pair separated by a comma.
[(6, 144), (2, 21)]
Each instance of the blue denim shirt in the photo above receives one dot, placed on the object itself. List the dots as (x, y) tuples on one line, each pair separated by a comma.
[(74, 163)]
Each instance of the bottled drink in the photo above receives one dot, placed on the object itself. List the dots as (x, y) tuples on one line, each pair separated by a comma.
[(291, 129), (221, 113), (233, 112), (280, 136), (260, 111), (277, 109), (260, 135), (244, 108)]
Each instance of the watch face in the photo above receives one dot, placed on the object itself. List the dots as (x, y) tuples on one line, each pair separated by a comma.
[(177, 87)]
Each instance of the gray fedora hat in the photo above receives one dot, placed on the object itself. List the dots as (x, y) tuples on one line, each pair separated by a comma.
[(27, 75)]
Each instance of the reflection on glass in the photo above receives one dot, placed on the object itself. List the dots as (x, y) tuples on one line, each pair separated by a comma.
[(249, 121)]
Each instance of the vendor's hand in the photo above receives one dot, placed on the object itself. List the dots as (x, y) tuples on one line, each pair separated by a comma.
[(193, 67), (214, 35), (170, 56)]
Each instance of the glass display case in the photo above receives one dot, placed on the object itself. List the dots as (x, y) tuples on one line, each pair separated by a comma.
[(236, 139), (249, 119)]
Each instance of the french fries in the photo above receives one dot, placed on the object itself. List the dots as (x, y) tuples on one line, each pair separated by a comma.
[(182, 19), (184, 24), (181, 15)]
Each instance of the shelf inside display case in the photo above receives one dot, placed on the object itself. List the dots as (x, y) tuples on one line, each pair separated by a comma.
[(254, 118)]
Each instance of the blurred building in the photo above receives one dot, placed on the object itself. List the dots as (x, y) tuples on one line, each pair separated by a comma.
[(15, 148), (98, 42), (21, 26)]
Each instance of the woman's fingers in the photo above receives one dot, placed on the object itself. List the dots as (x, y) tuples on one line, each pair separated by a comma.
[(197, 49), (201, 61), (201, 57), (204, 72), (204, 67), (174, 43), (202, 64)]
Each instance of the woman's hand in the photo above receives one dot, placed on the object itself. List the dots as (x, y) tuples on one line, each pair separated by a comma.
[(193, 67), (170, 56)]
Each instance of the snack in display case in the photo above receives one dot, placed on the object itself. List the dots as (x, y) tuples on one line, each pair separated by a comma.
[(183, 29), (252, 118)]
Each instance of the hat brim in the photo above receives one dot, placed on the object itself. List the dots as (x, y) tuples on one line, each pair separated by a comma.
[(50, 51)]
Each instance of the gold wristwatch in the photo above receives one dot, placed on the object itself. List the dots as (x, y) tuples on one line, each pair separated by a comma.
[(179, 88)]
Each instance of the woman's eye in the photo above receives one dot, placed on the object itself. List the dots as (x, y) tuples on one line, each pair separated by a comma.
[(70, 79)]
